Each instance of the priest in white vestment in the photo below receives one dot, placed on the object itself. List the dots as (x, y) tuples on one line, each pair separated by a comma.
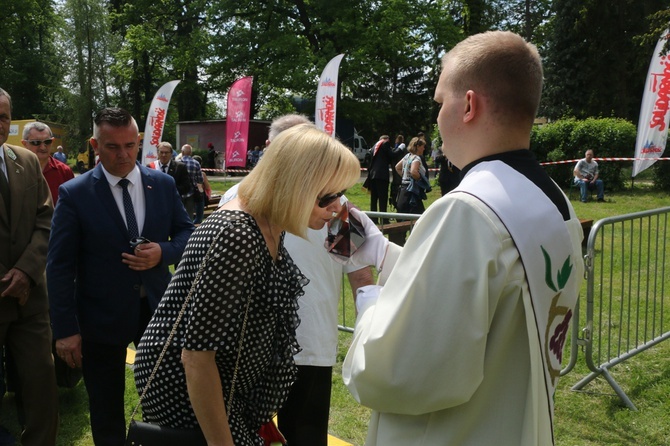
[(462, 344)]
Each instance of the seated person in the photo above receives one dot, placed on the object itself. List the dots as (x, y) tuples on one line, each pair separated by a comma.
[(586, 177)]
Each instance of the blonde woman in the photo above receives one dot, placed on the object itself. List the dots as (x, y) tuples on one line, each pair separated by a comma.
[(414, 184), (249, 277)]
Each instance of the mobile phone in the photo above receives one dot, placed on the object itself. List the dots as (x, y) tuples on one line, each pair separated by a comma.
[(137, 241)]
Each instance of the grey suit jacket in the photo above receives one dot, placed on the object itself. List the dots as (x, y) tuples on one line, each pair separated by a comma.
[(25, 237)]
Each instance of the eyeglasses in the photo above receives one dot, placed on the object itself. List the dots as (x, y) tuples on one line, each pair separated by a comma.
[(327, 200), (37, 142)]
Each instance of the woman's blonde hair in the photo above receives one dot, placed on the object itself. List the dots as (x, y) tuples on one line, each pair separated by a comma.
[(300, 165), (416, 141)]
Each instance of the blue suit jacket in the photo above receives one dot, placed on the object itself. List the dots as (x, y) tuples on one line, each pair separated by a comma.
[(91, 291)]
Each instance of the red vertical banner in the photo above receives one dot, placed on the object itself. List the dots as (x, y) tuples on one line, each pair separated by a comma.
[(237, 122)]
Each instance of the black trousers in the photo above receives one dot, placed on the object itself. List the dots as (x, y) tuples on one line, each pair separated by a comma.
[(304, 417), (104, 371), (379, 196)]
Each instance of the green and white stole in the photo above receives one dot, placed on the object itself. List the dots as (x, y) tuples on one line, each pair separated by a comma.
[(541, 236)]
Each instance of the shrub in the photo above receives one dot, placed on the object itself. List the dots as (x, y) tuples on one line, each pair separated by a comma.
[(568, 139), (661, 175), (202, 153)]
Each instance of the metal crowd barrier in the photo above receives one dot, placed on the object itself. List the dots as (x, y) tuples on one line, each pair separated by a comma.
[(627, 272), (626, 268)]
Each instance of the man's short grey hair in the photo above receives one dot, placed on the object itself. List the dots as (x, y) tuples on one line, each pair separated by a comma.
[(9, 98), (186, 149), (165, 144), (286, 122), (39, 126)]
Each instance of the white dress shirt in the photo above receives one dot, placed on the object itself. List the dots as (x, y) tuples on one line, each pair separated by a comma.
[(136, 195)]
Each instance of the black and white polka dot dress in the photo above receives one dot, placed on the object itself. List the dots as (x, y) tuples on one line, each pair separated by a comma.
[(240, 270)]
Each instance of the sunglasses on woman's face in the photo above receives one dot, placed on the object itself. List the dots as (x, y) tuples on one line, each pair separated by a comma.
[(327, 200)]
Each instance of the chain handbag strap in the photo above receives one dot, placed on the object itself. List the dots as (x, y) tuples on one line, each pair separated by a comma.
[(176, 323), (239, 355)]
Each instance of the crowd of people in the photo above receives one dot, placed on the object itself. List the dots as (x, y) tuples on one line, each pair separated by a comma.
[(409, 182), (455, 350)]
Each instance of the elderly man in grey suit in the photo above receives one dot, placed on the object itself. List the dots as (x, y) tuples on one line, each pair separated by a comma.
[(25, 220)]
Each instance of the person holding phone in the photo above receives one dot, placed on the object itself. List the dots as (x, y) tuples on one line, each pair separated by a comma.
[(103, 289)]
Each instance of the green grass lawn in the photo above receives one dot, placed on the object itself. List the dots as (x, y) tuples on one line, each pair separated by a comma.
[(593, 417)]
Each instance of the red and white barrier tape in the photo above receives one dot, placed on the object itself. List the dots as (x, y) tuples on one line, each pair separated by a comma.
[(547, 163), (604, 159)]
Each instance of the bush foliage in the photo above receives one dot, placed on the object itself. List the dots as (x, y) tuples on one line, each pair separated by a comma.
[(568, 139), (661, 170)]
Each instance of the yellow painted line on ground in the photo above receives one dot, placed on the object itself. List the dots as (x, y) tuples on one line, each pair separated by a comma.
[(332, 441), (130, 356)]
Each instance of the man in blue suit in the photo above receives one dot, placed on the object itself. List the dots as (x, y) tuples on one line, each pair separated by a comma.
[(102, 288)]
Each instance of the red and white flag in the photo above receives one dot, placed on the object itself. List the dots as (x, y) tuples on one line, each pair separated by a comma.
[(237, 122), (153, 130), (326, 97), (652, 128)]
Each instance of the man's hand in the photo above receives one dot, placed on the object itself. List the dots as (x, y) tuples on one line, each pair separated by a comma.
[(366, 296), (19, 285), (69, 350), (147, 255)]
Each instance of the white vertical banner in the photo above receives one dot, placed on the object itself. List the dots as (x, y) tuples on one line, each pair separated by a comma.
[(652, 128), (326, 97), (153, 130)]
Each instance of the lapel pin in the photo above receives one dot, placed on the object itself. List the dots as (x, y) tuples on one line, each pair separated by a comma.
[(148, 187), (10, 153)]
